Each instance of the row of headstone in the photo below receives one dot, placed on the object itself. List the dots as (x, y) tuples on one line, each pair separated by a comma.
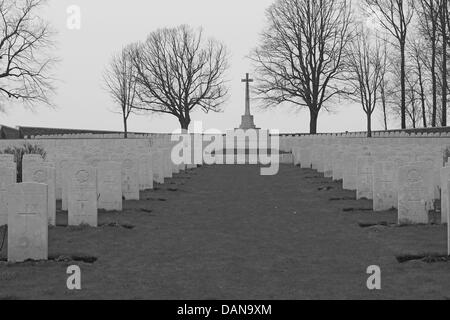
[(287, 140), (86, 184), (92, 136), (34, 169), (407, 176)]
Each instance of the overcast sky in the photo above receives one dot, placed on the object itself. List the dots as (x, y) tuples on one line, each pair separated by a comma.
[(108, 25)]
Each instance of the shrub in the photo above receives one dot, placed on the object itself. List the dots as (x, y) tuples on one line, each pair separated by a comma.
[(18, 153)]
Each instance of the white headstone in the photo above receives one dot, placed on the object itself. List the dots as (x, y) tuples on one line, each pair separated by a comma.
[(384, 187), (350, 171), (7, 160), (285, 158), (145, 172), (59, 177), (109, 177), (305, 157), (328, 162), (320, 159), (27, 222), (415, 193), (31, 160), (130, 179), (448, 224), (364, 184), (296, 154), (445, 205), (338, 166), (65, 166), (158, 166), (167, 163), (44, 174), (82, 195), (7, 178)]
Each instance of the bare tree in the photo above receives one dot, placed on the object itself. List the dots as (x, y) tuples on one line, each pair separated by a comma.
[(443, 19), (413, 111), (25, 57), (300, 57), (412, 108), (365, 66), (383, 97), (385, 84), (120, 80), (428, 23), (177, 71), (418, 57), (395, 17)]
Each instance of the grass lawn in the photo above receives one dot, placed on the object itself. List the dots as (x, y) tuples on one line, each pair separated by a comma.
[(225, 232)]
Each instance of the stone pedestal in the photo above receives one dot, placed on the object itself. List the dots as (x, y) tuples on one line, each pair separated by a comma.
[(247, 122)]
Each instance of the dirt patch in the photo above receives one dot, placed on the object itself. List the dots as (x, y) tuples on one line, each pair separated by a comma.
[(325, 188), (81, 227), (356, 209), (427, 257), (376, 224), (57, 258), (342, 199), (312, 177), (117, 225), (156, 199), (73, 258)]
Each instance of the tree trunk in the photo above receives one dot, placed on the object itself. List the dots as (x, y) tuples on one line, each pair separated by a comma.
[(184, 123), (444, 64), (434, 23), (369, 125), (125, 128), (422, 99), (313, 122), (383, 101), (434, 84), (403, 84)]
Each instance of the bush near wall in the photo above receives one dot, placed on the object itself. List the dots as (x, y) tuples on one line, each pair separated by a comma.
[(20, 151)]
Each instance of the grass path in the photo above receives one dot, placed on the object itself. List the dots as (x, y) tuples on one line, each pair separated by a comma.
[(225, 232)]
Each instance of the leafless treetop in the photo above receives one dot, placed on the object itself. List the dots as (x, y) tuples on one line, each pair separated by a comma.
[(25, 61), (302, 51), (178, 71), (120, 79)]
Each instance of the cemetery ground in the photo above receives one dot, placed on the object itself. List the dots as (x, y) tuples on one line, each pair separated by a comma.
[(225, 232)]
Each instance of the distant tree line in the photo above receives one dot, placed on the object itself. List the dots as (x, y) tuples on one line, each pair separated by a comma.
[(386, 54), (390, 56)]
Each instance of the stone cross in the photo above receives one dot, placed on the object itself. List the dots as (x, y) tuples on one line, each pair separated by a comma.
[(247, 81)]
